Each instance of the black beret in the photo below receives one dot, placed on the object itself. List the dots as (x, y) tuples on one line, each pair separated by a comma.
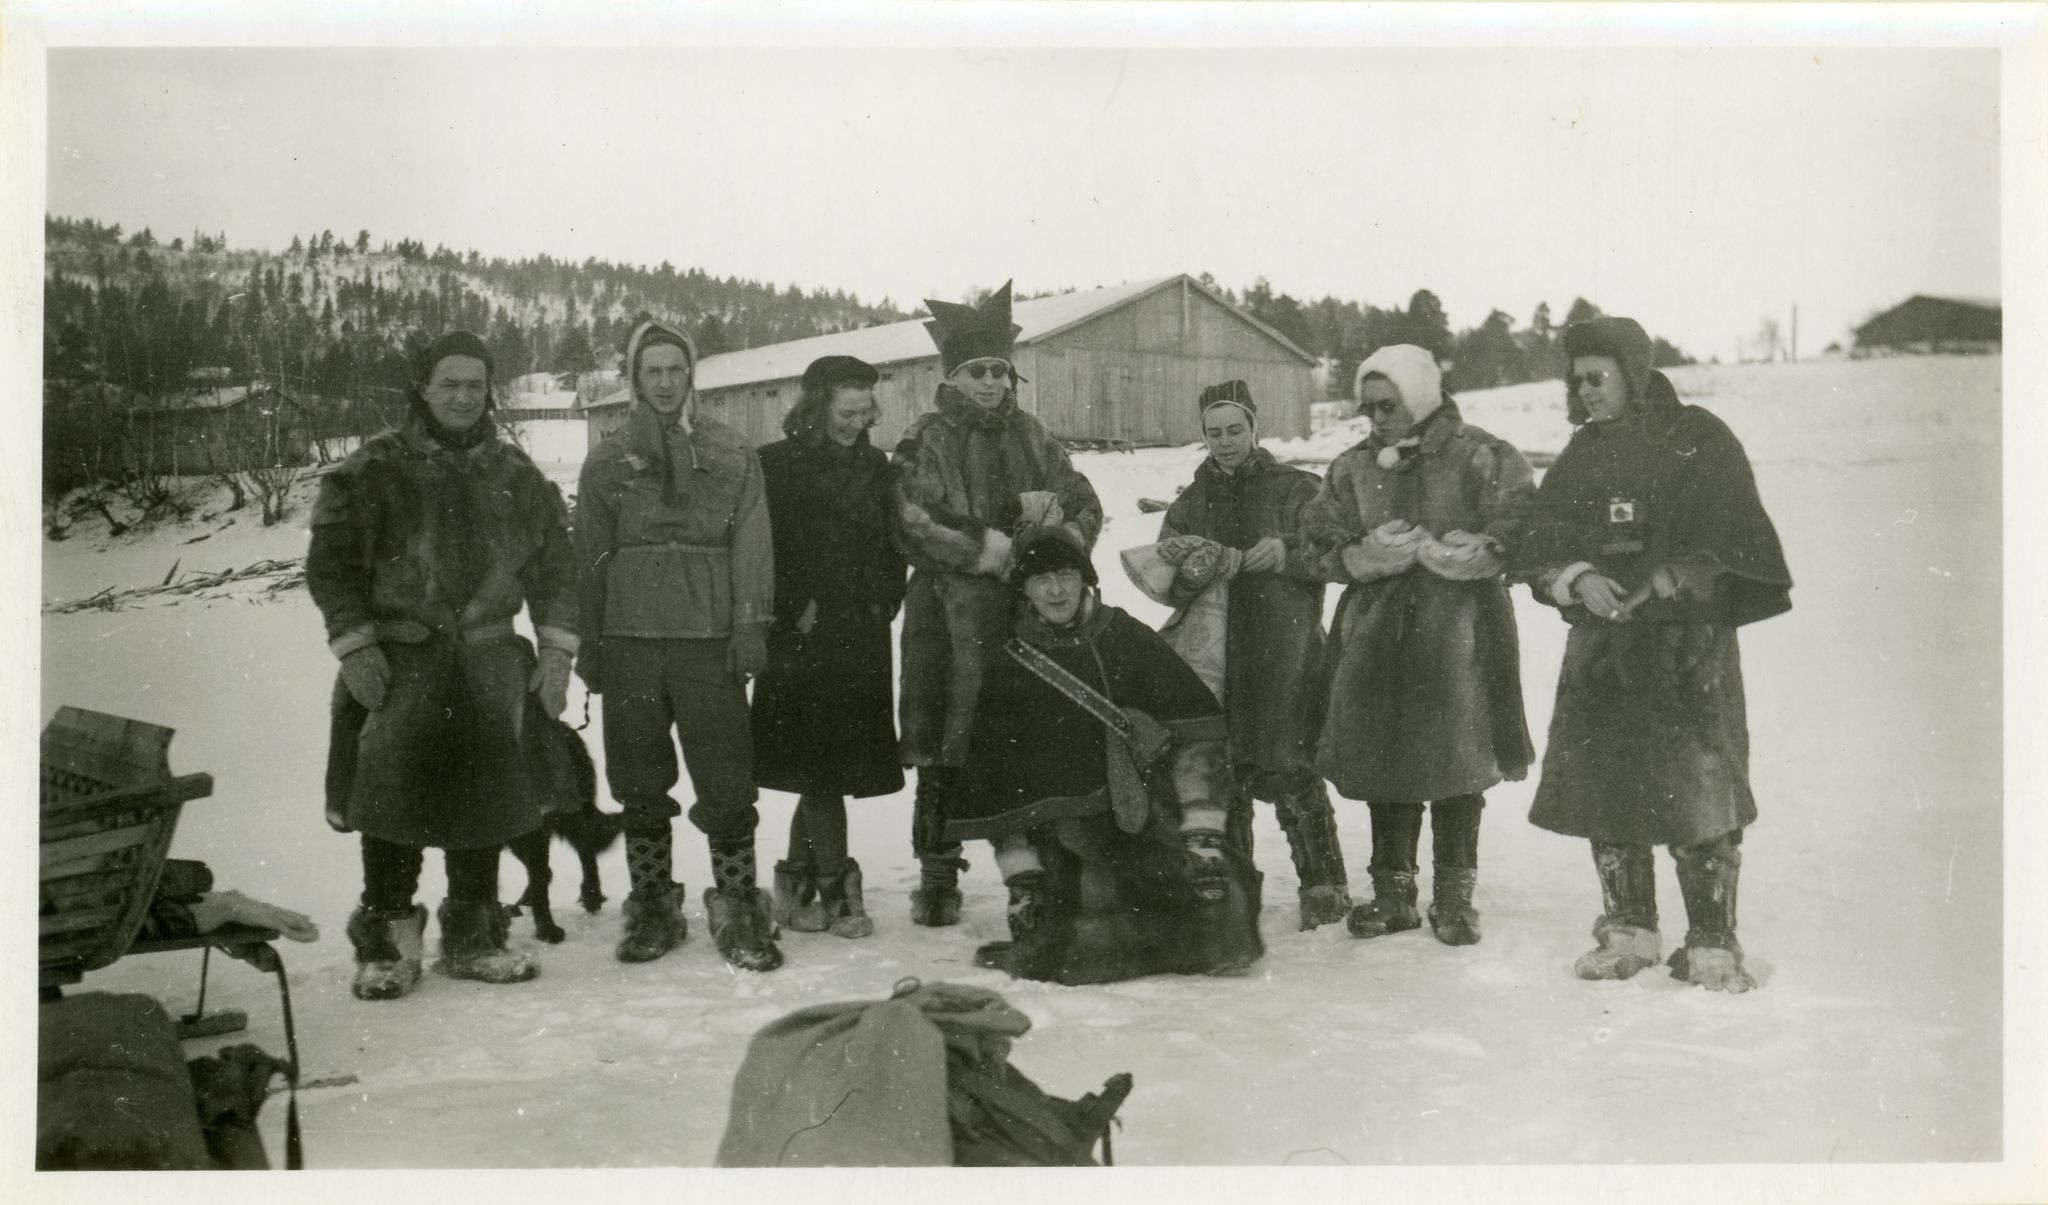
[(830, 372)]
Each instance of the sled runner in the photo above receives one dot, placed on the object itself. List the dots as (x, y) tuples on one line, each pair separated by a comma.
[(108, 806)]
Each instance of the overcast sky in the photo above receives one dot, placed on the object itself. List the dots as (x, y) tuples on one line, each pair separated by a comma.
[(1697, 189)]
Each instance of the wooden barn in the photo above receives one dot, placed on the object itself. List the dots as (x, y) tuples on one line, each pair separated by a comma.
[(220, 427), (1118, 366), (1935, 324)]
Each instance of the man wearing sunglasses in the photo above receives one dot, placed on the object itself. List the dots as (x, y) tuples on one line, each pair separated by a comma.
[(1648, 535), (974, 474)]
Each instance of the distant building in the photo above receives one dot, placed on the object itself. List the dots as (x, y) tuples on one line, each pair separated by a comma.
[(538, 396), (1119, 366), (219, 427), (1923, 323)]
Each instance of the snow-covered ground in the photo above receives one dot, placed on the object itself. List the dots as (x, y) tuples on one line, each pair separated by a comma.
[(1871, 901)]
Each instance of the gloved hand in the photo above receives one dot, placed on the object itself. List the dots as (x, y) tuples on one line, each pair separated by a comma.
[(1389, 550), (551, 680), (1041, 509), (1267, 556), (1460, 556), (219, 907), (995, 554), (746, 651), (367, 675), (1600, 594), (589, 663)]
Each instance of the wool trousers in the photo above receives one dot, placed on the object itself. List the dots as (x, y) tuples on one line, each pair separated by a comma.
[(658, 693)]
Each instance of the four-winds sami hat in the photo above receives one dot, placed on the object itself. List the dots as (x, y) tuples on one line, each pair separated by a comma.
[(830, 372), (973, 332)]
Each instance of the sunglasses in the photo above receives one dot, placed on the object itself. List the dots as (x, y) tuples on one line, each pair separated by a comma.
[(1595, 378), (1380, 409), (978, 371)]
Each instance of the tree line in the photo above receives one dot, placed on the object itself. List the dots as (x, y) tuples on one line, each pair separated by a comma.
[(1496, 352), (331, 324)]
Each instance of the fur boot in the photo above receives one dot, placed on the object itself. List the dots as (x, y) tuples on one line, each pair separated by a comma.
[(654, 924), (1392, 909), (473, 945), (388, 951), (740, 914), (1451, 915), (841, 905), (1707, 878), (743, 929), (1623, 950), (1311, 826), (799, 903)]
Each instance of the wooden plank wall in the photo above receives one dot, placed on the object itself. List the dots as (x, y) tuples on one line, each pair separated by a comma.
[(1131, 374)]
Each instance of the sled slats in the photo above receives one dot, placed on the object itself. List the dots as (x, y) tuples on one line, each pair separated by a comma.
[(108, 805)]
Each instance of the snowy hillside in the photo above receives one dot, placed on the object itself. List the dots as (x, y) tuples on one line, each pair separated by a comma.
[(1871, 902)]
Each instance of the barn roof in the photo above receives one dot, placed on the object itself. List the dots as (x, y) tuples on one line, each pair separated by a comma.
[(1982, 303), (898, 342)]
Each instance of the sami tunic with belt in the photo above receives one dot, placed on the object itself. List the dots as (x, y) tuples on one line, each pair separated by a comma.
[(1037, 757)]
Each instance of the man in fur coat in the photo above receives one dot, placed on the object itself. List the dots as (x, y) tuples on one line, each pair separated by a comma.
[(674, 545), (1244, 499), (1650, 539), (427, 541), (1112, 848), (1421, 697), (970, 475)]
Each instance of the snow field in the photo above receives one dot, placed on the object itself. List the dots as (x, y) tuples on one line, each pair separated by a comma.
[(1871, 899)]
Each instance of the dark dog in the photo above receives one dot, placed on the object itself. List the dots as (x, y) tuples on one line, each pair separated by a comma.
[(587, 830)]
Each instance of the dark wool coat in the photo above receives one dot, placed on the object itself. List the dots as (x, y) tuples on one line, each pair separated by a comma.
[(429, 553), (1649, 743), (824, 718), (1421, 691), (960, 470), (1118, 904), (1274, 637)]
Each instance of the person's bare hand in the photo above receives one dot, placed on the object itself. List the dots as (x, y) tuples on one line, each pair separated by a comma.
[(1601, 595)]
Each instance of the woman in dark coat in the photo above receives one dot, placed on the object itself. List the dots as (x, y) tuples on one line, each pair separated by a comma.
[(1112, 848), (427, 542), (1648, 535), (1244, 499), (824, 723), (1422, 697)]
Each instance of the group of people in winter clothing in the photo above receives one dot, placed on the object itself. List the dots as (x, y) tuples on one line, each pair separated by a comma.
[(1113, 769)]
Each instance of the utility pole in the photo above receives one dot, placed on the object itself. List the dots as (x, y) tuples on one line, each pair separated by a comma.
[(1795, 333)]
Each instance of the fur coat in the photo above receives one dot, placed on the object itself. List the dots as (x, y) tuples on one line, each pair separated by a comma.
[(429, 552)]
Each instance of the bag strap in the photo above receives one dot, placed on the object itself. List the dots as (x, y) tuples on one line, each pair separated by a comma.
[(1061, 679)]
